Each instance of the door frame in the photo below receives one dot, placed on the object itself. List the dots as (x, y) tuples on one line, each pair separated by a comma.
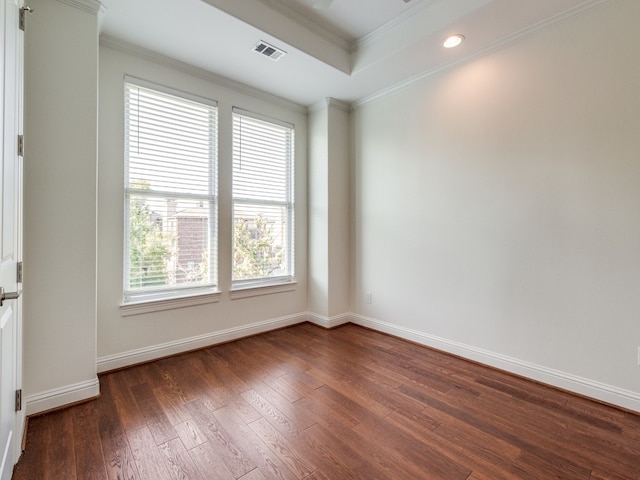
[(11, 127)]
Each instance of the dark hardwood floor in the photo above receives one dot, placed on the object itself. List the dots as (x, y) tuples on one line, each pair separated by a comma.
[(309, 403)]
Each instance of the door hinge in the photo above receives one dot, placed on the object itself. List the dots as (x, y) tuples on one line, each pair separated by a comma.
[(21, 145), (18, 400), (23, 13), (19, 272)]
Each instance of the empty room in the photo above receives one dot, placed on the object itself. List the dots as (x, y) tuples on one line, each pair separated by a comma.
[(320, 239)]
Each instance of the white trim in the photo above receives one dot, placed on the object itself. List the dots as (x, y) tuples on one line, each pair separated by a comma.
[(156, 87), (504, 42), (319, 106), (391, 25), (154, 352), (59, 397), (157, 58), (95, 7), (566, 381), (339, 104), (328, 322), (263, 118), (257, 290), (292, 13), (158, 305), (572, 383), (6, 454), (327, 102)]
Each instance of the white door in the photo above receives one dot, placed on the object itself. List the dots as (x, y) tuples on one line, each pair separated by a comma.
[(11, 52)]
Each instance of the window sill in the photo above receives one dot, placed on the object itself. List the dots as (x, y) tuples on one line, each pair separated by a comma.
[(256, 290), (157, 305)]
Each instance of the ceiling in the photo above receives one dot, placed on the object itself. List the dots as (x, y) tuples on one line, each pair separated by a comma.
[(350, 51)]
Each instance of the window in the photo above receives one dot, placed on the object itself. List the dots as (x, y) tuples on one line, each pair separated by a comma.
[(170, 193), (262, 200)]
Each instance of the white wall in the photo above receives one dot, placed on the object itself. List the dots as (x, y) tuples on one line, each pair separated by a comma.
[(497, 207), (338, 199), (61, 112), (494, 210), (127, 339), (319, 210), (329, 213)]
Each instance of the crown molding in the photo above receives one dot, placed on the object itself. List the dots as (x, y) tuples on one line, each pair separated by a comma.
[(128, 48), (393, 24), (286, 26), (338, 104), (549, 23), (95, 7), (318, 106), (293, 14), (325, 103)]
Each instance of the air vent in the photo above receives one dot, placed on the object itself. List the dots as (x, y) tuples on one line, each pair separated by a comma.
[(274, 53)]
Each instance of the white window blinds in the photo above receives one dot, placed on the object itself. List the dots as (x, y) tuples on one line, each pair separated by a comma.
[(263, 208), (170, 191)]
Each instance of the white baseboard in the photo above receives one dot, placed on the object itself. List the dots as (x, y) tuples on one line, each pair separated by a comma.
[(153, 352), (328, 322), (85, 390), (59, 397), (582, 386)]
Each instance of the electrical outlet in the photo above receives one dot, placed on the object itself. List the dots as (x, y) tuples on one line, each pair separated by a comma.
[(367, 297)]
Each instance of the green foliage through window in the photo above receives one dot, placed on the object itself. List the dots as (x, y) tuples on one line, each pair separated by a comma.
[(254, 250), (148, 250)]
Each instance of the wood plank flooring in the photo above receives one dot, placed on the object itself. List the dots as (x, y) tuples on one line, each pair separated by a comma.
[(315, 404)]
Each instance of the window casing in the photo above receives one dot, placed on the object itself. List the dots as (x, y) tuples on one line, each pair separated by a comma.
[(170, 193), (263, 200)]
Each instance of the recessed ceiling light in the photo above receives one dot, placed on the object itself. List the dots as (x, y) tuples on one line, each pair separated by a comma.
[(453, 40)]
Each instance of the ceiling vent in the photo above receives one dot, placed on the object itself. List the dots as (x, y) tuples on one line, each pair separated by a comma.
[(274, 53)]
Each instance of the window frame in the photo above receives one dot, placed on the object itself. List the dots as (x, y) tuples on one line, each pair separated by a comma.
[(172, 296), (282, 283)]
